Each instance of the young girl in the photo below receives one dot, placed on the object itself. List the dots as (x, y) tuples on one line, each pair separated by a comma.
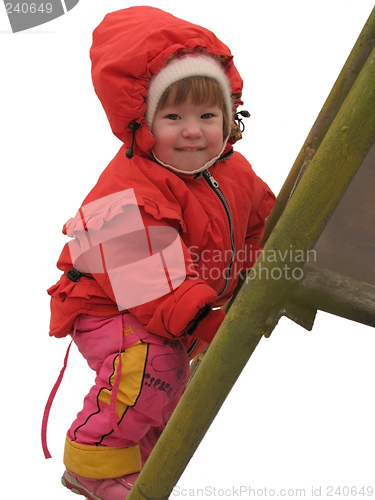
[(158, 244)]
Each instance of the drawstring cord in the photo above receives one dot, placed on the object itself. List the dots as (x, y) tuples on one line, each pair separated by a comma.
[(112, 406), (52, 395), (244, 114), (133, 127)]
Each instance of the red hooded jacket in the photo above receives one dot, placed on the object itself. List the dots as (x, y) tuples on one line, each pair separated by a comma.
[(220, 224)]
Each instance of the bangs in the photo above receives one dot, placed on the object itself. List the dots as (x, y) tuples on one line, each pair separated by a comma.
[(198, 88)]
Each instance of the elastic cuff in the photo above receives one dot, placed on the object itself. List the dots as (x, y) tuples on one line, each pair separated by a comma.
[(101, 462), (209, 325)]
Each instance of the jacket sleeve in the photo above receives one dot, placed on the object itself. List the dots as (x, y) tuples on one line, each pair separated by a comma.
[(182, 296), (180, 311)]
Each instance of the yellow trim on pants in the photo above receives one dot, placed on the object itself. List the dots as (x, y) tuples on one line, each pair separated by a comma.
[(101, 462), (133, 362)]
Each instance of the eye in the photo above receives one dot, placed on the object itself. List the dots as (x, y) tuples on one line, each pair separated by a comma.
[(173, 116), (206, 116)]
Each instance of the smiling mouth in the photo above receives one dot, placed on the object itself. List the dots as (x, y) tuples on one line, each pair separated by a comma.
[(190, 150)]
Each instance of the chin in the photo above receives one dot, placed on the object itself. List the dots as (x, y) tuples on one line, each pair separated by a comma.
[(190, 164)]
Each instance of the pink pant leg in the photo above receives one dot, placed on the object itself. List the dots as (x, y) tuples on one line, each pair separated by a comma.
[(153, 376), (148, 441)]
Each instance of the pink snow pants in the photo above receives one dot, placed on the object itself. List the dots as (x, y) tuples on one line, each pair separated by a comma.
[(140, 378)]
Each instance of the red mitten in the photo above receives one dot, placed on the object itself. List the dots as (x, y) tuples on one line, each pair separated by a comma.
[(206, 323)]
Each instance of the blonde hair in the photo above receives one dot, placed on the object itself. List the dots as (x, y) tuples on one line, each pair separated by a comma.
[(201, 90)]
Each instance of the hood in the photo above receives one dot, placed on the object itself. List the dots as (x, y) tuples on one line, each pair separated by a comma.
[(129, 47)]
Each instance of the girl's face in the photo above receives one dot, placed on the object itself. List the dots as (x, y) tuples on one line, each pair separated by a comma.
[(188, 135)]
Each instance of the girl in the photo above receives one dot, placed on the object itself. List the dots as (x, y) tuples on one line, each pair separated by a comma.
[(158, 244)]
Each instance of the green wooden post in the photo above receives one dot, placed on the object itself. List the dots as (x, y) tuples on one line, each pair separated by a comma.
[(262, 301)]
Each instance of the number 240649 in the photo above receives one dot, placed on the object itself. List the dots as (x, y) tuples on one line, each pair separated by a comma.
[(25, 8)]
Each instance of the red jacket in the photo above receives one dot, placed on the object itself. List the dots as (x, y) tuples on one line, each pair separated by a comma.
[(220, 227)]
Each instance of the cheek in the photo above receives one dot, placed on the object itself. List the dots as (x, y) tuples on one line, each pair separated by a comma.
[(164, 137), (164, 146), (159, 150), (217, 139)]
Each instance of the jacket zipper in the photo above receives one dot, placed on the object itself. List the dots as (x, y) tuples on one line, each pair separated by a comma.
[(215, 186)]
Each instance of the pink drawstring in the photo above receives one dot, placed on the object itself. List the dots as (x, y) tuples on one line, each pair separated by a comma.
[(47, 409), (112, 406)]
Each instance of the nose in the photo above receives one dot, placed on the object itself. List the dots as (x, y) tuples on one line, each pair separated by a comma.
[(192, 129)]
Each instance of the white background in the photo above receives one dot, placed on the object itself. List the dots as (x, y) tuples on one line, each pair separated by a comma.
[(302, 413)]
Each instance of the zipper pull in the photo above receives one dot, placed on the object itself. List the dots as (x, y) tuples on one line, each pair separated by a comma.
[(212, 180)]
